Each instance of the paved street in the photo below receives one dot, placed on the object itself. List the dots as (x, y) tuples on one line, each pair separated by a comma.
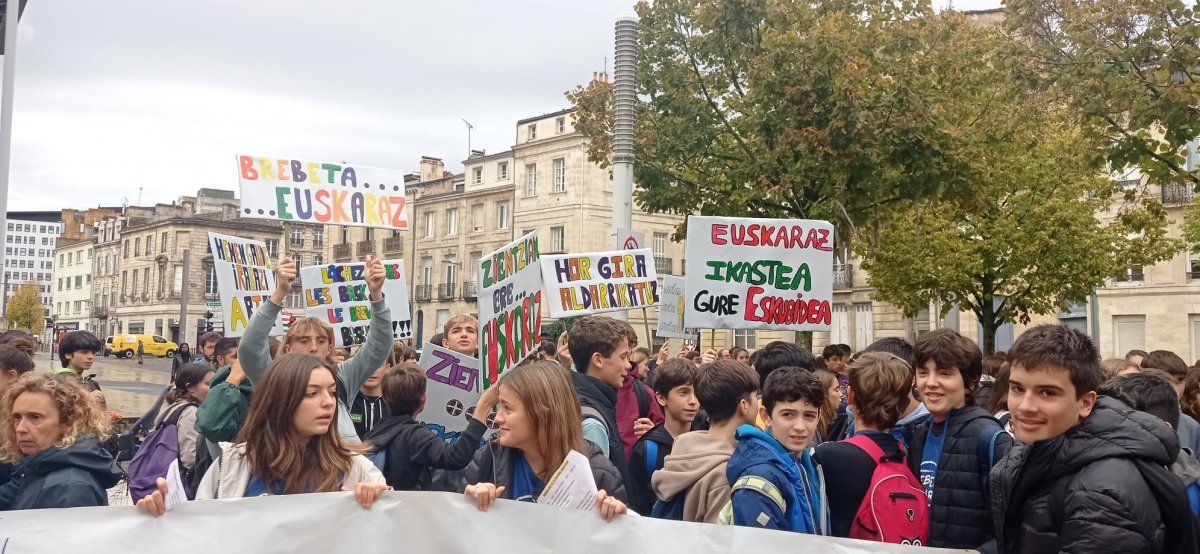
[(129, 388)]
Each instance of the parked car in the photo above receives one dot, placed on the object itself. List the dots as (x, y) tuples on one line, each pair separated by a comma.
[(126, 346)]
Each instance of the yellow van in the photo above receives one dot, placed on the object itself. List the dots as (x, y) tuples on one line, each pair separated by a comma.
[(126, 346)]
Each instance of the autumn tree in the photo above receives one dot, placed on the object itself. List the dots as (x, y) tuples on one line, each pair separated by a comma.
[(24, 309)]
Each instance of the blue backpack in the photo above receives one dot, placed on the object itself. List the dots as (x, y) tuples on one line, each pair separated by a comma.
[(153, 458)]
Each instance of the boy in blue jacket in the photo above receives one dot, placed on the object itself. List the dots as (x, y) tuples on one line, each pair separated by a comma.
[(775, 483)]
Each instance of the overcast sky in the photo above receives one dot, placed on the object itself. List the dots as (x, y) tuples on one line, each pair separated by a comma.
[(115, 95)]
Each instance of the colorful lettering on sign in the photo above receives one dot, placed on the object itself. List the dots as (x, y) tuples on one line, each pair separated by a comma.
[(510, 337), (761, 272), (609, 295), (448, 371), (782, 236), (504, 263)]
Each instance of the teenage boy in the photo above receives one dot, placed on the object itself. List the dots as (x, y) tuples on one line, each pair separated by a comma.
[(880, 391), (954, 450), (313, 336), (916, 412), (600, 348), (776, 355), (409, 448), (774, 483), (835, 360), (674, 392), (369, 407), (461, 334), (77, 351), (1090, 473), (692, 484)]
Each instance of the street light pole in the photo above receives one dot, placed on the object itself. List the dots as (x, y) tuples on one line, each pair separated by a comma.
[(183, 296), (11, 14)]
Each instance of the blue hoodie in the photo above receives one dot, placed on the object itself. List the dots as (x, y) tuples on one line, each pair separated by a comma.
[(799, 481)]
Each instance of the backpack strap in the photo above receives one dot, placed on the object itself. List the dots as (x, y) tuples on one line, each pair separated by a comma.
[(172, 417), (588, 411), (643, 398), (864, 443), (651, 457), (761, 486), (985, 449)]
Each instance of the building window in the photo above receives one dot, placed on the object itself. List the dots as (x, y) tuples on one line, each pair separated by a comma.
[(1129, 333), (477, 176), (477, 217), (560, 125), (427, 272), (430, 223), (1193, 266), (137, 247), (531, 132), (272, 247), (560, 175), (451, 274), (530, 180), (1133, 274), (558, 239), (177, 288), (161, 247), (297, 234), (210, 280), (745, 338), (345, 235), (659, 243), (502, 171), (502, 213), (319, 237), (452, 222)]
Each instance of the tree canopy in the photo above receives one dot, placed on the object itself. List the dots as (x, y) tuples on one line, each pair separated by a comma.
[(24, 310)]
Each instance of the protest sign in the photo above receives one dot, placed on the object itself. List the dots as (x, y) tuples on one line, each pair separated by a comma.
[(510, 306), (245, 279), (596, 282), (337, 294), (745, 273), (321, 192), (453, 385), (427, 521), (671, 310)]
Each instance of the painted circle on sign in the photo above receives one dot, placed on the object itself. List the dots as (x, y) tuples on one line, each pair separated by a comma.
[(454, 407), (491, 420)]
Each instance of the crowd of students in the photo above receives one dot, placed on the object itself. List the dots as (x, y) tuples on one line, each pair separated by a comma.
[(1043, 448)]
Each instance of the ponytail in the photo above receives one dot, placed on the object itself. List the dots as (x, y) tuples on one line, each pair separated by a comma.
[(188, 376)]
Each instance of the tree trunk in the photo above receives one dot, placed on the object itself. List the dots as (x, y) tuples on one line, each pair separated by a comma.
[(988, 323)]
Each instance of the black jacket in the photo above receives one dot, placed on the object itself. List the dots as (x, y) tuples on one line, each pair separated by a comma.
[(70, 477), (1104, 504), (413, 450), (848, 472), (640, 479), (493, 464), (598, 395), (959, 513)]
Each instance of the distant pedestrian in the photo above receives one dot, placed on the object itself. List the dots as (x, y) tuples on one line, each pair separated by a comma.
[(141, 351)]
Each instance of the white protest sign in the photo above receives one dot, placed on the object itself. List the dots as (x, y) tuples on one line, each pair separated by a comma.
[(453, 385), (745, 273), (597, 282), (510, 306), (671, 310), (245, 279), (322, 192), (337, 294), (428, 522)]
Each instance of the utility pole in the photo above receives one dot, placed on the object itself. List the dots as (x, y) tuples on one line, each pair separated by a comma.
[(183, 296), (12, 12), (625, 89)]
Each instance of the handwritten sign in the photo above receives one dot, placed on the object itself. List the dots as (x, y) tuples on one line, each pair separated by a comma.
[(245, 279), (745, 273), (599, 282), (321, 192), (337, 294), (671, 310), (510, 306), (453, 384)]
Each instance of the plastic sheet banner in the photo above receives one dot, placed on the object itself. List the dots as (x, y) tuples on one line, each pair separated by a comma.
[(745, 273), (245, 279), (420, 521), (337, 294), (315, 191), (453, 385)]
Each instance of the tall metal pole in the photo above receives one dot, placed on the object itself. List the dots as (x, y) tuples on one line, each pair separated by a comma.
[(11, 13), (183, 296), (625, 91)]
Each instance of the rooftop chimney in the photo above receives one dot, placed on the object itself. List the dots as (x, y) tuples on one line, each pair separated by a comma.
[(431, 168)]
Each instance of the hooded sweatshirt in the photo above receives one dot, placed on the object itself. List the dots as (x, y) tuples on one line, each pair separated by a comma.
[(696, 468), (796, 479), (75, 476)]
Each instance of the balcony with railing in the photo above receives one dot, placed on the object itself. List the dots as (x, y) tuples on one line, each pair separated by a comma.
[(843, 276), (100, 312), (663, 264), (470, 289), (1175, 194), (297, 242), (341, 252), (364, 247), (393, 245), (446, 291), (423, 293)]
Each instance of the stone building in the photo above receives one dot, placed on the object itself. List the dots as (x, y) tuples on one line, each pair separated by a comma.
[(29, 253), (72, 284)]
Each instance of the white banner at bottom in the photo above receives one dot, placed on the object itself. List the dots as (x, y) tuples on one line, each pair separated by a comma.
[(408, 521)]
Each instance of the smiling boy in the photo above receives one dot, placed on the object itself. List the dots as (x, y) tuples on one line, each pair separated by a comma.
[(774, 482)]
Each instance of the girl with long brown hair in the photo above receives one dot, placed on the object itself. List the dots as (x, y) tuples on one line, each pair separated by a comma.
[(540, 424), (289, 444), (834, 423)]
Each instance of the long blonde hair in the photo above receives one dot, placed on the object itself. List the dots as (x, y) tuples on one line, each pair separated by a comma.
[(550, 402), (275, 450), (78, 412)]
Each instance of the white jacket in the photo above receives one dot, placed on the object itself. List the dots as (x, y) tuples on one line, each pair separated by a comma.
[(229, 476)]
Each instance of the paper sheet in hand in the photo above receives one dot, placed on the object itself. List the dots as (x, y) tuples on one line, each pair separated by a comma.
[(176, 494), (572, 486)]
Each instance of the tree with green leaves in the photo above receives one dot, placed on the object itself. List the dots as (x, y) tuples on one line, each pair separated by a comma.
[(24, 309)]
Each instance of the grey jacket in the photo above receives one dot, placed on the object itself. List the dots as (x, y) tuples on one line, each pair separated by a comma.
[(255, 355)]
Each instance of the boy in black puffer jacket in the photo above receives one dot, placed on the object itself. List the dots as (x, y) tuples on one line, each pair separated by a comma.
[(674, 392), (1090, 475)]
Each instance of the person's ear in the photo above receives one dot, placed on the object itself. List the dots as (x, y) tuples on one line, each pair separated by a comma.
[(1086, 403)]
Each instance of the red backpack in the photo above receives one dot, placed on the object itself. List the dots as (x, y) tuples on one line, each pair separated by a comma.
[(895, 509)]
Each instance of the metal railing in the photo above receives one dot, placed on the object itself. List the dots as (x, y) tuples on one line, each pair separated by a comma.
[(446, 291), (364, 247), (470, 289), (423, 292), (393, 245), (341, 252), (663, 264), (843, 276), (292, 241)]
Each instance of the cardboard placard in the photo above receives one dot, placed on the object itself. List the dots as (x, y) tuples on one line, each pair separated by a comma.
[(321, 192), (453, 385), (671, 308), (245, 279), (510, 306), (746, 273), (337, 294), (598, 282)]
